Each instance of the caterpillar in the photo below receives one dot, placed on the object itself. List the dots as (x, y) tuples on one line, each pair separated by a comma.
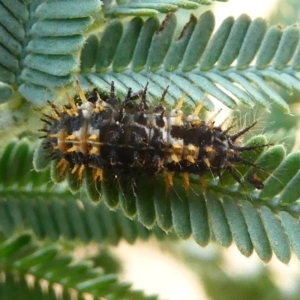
[(132, 137)]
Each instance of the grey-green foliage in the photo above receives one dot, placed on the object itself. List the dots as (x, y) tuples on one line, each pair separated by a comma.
[(242, 57), (265, 221), (33, 201), (44, 44), (150, 7), (21, 256), (39, 43)]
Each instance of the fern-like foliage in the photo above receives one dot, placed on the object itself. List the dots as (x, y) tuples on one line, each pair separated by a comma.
[(30, 200), (235, 62), (40, 43), (21, 257), (266, 221), (148, 8), (44, 44)]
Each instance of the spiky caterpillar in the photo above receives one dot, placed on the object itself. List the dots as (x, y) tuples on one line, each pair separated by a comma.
[(130, 138)]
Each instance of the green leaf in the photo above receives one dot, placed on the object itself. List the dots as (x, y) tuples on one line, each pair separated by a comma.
[(238, 226), (11, 246), (67, 10), (276, 235), (160, 43), (219, 225), (177, 48), (268, 47), (6, 92), (44, 44), (254, 37), (198, 41), (127, 44), (199, 218), (224, 211), (55, 45), (234, 42), (144, 201), (30, 200), (287, 47), (108, 45), (60, 28), (149, 8), (143, 44), (48, 264), (216, 45), (256, 231), (88, 53), (40, 43), (204, 60), (281, 176), (180, 211)]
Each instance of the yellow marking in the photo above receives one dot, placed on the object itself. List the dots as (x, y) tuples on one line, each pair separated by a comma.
[(93, 137), (80, 172), (197, 123), (61, 162), (62, 166), (99, 108), (169, 181), (73, 104), (174, 157), (94, 150), (61, 140), (79, 169), (210, 149), (255, 177), (74, 169), (55, 108), (56, 147), (206, 161), (198, 108), (180, 102), (67, 111), (54, 116), (80, 91), (71, 137), (178, 120), (190, 159), (177, 148), (97, 174), (177, 151), (52, 135), (192, 149), (73, 149), (186, 180)]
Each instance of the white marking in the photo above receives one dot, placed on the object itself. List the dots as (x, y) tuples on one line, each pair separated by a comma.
[(87, 109), (192, 118)]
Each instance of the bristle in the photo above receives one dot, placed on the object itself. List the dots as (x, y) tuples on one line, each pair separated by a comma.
[(129, 138), (241, 132), (46, 121)]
